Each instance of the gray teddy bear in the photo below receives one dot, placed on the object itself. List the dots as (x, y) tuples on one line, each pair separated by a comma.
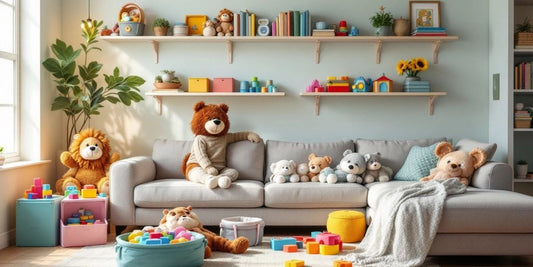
[(349, 170), (375, 171)]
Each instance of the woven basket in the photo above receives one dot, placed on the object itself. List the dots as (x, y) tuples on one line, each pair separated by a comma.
[(524, 38), (132, 10)]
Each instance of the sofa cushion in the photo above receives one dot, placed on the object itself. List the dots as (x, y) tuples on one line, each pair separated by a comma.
[(476, 211), (468, 145), (315, 195), (419, 162), (170, 193), (245, 156), (393, 152), (299, 152)]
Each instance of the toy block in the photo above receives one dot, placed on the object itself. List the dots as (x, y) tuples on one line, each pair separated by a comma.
[(89, 186), (153, 242), (312, 247), (341, 263), (294, 263), (290, 248), (73, 196), (182, 239), (300, 244), (315, 233), (88, 193), (308, 239), (155, 235), (329, 249), (47, 192), (328, 239), (277, 243), (37, 181), (46, 187), (298, 237), (165, 240)]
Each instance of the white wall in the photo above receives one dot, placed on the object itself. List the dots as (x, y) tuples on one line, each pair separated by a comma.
[(461, 72)]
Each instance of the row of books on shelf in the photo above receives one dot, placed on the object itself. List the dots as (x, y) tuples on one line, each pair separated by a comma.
[(522, 114), (429, 31), (522, 75), (287, 23)]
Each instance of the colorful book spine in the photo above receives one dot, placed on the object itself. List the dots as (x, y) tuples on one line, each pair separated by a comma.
[(296, 23), (236, 24), (252, 24), (242, 30)]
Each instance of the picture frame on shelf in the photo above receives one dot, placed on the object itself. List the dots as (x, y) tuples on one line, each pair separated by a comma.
[(424, 14), (194, 23)]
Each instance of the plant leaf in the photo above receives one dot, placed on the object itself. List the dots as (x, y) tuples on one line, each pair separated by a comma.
[(124, 98)]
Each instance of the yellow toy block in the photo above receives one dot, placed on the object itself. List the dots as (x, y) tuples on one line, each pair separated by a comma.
[(88, 193), (312, 247), (329, 249), (47, 192), (294, 263), (182, 239), (134, 234), (341, 263), (174, 241)]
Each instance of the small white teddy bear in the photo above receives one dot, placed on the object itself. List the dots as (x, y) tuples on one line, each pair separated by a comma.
[(284, 170)]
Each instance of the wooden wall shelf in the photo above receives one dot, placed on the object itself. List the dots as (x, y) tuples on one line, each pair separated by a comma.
[(430, 95), (158, 95), (229, 40)]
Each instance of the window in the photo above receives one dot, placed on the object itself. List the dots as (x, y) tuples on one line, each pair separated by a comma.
[(9, 115)]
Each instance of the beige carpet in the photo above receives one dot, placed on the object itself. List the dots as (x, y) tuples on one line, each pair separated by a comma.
[(104, 255)]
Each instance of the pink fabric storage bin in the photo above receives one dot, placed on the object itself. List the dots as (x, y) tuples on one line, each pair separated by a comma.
[(84, 235)]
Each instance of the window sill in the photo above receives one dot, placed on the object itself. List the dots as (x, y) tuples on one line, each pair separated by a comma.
[(22, 164)]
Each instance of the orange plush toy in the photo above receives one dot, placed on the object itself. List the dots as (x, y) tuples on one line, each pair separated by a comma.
[(206, 163), (89, 159), (184, 217), (456, 164)]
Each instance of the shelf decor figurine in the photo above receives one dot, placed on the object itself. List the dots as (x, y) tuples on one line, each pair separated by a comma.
[(225, 23), (521, 169), (412, 69), (382, 21)]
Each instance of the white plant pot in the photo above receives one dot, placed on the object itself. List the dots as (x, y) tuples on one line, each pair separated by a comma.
[(167, 77), (521, 171)]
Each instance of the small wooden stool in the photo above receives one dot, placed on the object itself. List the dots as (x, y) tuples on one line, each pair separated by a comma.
[(350, 225)]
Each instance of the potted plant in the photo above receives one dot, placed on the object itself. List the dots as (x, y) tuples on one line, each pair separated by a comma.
[(161, 26), (158, 79), (167, 76), (521, 169), (382, 21), (2, 158), (524, 33), (79, 95)]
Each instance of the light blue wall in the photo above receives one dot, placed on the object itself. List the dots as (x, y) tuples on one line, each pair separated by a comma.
[(462, 72)]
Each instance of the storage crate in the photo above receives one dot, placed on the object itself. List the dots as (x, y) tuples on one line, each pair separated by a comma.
[(189, 253), (198, 85), (522, 122), (37, 222), (223, 85), (524, 38), (84, 235), (249, 227)]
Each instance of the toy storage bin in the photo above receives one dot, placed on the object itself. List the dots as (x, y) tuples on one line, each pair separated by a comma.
[(189, 253), (199, 85), (223, 85), (83, 235), (249, 227), (131, 28), (37, 222)]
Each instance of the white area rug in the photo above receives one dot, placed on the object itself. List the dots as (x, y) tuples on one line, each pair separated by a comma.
[(104, 255)]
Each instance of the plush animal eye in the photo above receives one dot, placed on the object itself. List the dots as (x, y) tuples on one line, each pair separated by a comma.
[(87, 144), (96, 145), (172, 213), (349, 161), (356, 164), (449, 161)]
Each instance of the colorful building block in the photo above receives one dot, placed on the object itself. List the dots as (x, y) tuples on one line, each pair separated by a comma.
[(300, 244), (329, 249), (294, 263), (277, 243), (290, 248), (312, 247), (328, 239), (88, 193), (315, 233), (341, 263), (308, 239)]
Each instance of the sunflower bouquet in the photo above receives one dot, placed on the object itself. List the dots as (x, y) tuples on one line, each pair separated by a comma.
[(413, 67)]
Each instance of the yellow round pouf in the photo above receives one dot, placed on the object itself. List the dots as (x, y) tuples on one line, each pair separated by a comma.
[(350, 225)]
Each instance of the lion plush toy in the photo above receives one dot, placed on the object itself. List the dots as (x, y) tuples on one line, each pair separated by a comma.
[(225, 23), (456, 164), (206, 163), (89, 159), (184, 217)]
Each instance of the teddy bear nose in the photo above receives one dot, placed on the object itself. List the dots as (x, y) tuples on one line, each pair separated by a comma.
[(217, 121), (350, 167), (92, 148), (454, 166)]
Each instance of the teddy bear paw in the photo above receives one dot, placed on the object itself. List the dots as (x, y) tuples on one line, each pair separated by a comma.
[(304, 178), (212, 182), (294, 178), (384, 178), (240, 245), (224, 182), (369, 179), (331, 179)]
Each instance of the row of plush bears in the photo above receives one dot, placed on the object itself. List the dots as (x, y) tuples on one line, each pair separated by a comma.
[(353, 168)]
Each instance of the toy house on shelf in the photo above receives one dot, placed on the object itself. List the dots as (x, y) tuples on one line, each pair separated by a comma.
[(382, 85)]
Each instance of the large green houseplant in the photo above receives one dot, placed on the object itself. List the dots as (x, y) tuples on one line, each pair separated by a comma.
[(79, 95)]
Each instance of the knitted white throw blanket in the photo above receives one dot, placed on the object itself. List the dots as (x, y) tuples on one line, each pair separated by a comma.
[(405, 224)]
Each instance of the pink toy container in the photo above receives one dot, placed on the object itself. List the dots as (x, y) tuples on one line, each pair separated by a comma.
[(84, 235)]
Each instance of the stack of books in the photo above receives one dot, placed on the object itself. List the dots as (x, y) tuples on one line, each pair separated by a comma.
[(522, 119), (326, 32), (522, 76), (292, 23), (429, 31), (416, 86)]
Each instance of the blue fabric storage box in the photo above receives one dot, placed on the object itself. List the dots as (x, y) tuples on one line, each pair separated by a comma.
[(37, 222), (188, 254)]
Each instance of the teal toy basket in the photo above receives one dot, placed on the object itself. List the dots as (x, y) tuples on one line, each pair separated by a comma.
[(187, 254)]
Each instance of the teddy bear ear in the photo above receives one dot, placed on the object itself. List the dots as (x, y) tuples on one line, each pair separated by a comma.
[(293, 164), (328, 159), (347, 152), (479, 156), (273, 167), (165, 212), (367, 157), (224, 107), (199, 106), (442, 149), (311, 156), (189, 208)]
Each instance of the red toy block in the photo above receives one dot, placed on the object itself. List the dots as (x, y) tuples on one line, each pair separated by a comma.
[(89, 186), (290, 248), (312, 247), (155, 235), (341, 263), (308, 239), (298, 238)]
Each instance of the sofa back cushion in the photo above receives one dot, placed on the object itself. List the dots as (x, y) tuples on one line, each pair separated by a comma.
[(299, 152), (393, 152), (468, 144), (245, 156)]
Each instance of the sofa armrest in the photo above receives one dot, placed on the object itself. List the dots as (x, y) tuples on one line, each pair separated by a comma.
[(124, 175), (493, 175)]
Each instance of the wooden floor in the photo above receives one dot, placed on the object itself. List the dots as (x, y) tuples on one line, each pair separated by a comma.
[(51, 256)]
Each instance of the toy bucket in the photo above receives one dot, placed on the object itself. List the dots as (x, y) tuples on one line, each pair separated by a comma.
[(189, 253), (249, 227)]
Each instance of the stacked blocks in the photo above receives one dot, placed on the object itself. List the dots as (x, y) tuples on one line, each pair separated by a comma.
[(148, 236), (343, 29), (38, 190), (82, 217), (294, 263), (278, 243), (72, 192), (330, 244), (348, 224)]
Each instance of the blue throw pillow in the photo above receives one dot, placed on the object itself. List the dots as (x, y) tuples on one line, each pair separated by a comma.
[(419, 162)]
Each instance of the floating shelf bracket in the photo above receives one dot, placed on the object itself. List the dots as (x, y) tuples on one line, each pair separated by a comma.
[(317, 105), (379, 45), (430, 103), (436, 46), (159, 104), (230, 51), (155, 45), (317, 51)]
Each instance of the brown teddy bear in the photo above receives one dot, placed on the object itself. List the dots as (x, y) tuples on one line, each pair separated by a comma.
[(89, 159), (209, 28), (315, 165), (225, 23), (456, 164), (206, 163), (184, 217)]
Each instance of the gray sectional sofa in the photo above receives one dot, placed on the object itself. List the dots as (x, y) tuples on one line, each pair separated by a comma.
[(487, 220)]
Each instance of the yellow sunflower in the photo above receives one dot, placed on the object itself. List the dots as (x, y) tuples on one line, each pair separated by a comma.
[(401, 66), (420, 64)]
